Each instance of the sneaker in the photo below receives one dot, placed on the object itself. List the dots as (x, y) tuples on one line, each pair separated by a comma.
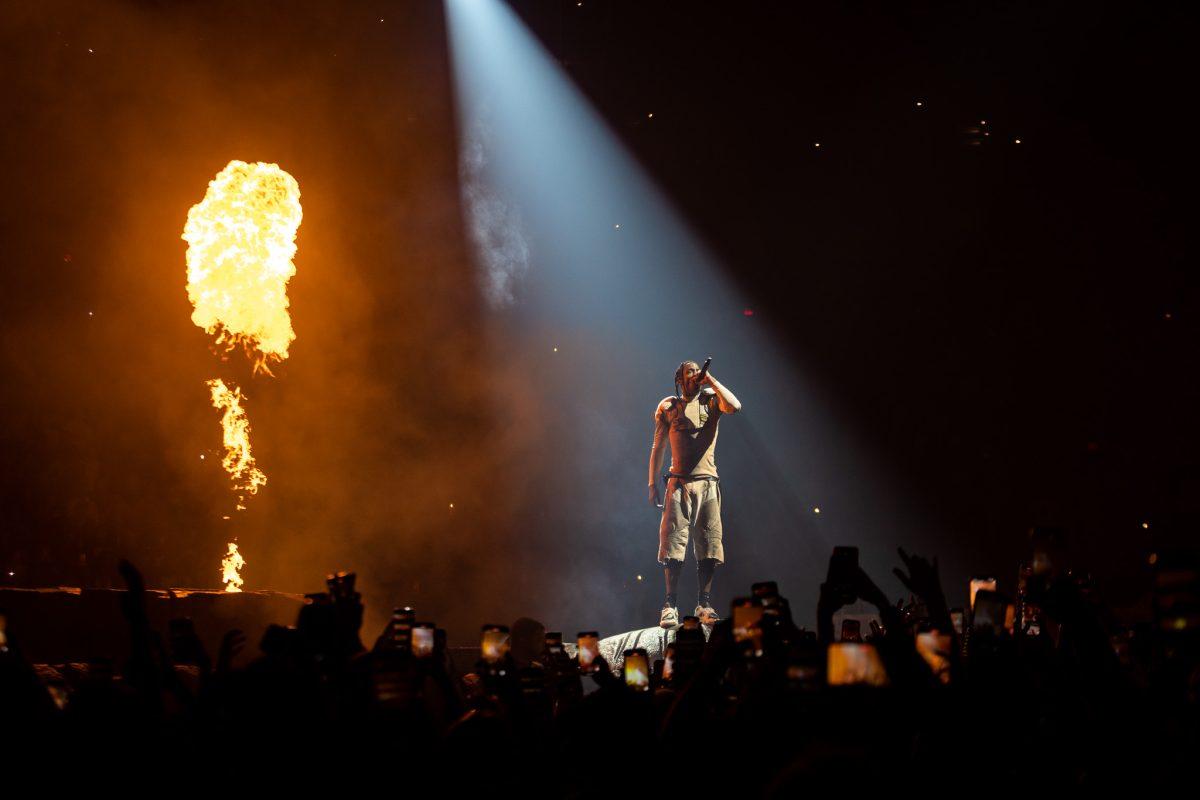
[(707, 615), (670, 617)]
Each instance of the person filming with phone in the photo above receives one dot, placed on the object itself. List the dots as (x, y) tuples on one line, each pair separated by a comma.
[(691, 506)]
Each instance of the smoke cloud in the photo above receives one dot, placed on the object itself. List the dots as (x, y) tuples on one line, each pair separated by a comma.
[(382, 442), (494, 223)]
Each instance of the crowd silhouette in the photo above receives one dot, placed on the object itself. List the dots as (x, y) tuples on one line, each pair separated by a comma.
[(1040, 690)]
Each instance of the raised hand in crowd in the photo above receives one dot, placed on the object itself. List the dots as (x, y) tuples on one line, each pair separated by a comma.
[(764, 692), (923, 580)]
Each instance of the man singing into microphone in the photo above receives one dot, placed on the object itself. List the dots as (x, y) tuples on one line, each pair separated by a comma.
[(693, 496)]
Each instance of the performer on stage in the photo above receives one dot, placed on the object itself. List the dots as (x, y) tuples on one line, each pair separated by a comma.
[(693, 497)]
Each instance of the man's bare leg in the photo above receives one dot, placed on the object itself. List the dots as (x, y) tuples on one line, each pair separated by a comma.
[(670, 611), (671, 572), (705, 568)]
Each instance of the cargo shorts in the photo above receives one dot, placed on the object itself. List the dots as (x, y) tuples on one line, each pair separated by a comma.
[(691, 507)]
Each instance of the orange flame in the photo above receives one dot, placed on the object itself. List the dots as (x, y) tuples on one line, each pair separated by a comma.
[(238, 460), (241, 240), (231, 568)]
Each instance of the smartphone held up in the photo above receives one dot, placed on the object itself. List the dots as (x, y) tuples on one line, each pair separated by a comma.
[(855, 664), (637, 669), (403, 620), (588, 647), (494, 643), (747, 628), (423, 634), (842, 578)]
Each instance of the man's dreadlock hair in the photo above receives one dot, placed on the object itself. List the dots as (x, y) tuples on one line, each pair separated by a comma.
[(679, 376)]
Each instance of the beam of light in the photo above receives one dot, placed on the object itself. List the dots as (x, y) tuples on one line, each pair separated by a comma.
[(493, 223), (568, 230)]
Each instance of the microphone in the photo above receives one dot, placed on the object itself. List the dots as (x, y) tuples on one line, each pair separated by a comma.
[(704, 370)]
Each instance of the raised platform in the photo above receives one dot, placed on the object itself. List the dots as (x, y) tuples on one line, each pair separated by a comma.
[(64, 624), (653, 640)]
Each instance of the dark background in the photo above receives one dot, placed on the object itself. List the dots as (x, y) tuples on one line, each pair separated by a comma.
[(1011, 326)]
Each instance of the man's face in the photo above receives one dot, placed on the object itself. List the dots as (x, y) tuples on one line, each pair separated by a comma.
[(690, 384)]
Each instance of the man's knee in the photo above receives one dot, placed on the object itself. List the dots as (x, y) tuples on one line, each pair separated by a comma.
[(707, 564), (673, 563)]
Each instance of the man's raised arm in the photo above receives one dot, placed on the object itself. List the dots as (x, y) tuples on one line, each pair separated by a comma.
[(726, 400)]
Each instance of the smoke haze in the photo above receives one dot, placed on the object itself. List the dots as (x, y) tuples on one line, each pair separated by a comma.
[(380, 419), (471, 434), (499, 242)]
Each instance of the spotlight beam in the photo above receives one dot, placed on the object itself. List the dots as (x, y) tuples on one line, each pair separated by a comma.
[(605, 255)]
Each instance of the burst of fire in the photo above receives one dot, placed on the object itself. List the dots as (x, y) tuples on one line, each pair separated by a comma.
[(238, 460), (241, 240), (231, 567)]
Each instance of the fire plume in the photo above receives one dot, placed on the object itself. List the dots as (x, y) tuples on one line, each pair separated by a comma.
[(231, 567), (241, 240), (238, 460)]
